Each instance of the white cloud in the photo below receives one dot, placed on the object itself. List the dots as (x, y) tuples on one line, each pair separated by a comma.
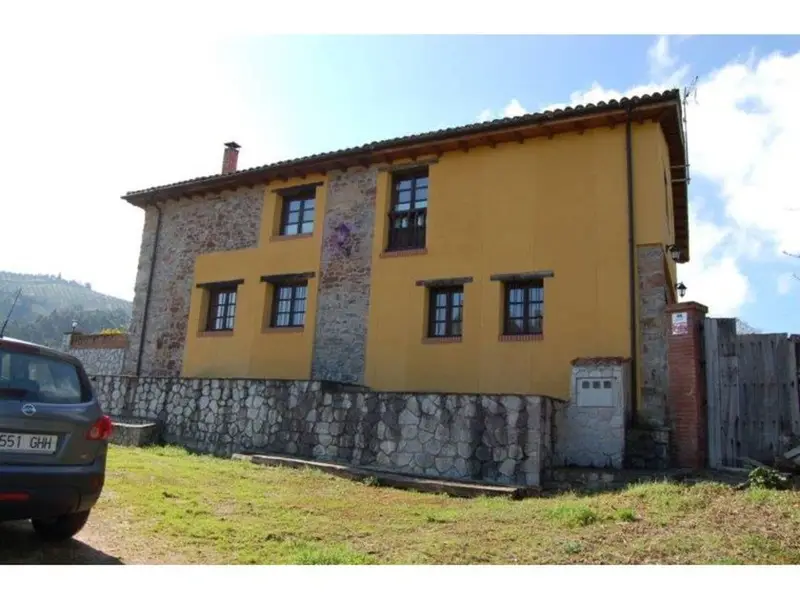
[(785, 282), (713, 276), (92, 115), (512, 109), (659, 57), (743, 137)]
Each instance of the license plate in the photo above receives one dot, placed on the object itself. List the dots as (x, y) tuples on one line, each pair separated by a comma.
[(30, 443)]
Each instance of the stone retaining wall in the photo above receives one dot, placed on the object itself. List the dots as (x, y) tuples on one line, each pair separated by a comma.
[(500, 439), (99, 354)]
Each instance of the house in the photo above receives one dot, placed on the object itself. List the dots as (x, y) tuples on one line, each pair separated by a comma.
[(477, 259)]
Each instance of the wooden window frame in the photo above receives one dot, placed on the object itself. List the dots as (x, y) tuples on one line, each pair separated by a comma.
[(293, 286), (528, 287), (228, 316), (304, 196), (449, 322), (414, 236)]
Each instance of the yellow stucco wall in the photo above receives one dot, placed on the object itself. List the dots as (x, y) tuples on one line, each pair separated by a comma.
[(253, 350), (549, 204), (557, 205)]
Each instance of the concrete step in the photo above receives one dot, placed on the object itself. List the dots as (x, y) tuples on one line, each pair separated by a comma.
[(435, 485)]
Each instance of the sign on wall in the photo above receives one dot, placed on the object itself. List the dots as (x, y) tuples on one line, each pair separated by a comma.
[(680, 323)]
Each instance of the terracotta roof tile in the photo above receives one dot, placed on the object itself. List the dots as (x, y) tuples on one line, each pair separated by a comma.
[(431, 136)]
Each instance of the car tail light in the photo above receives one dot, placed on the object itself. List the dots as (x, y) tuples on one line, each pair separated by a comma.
[(14, 496), (101, 430)]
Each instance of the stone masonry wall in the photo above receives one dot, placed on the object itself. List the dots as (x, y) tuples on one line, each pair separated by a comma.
[(100, 361), (340, 340), (653, 297), (591, 427), (99, 354), (189, 227), (502, 439)]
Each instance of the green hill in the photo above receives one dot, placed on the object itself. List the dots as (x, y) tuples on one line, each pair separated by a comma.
[(48, 304)]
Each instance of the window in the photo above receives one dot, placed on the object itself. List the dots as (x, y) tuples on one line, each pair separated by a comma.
[(33, 377), (408, 216), (221, 309), (446, 312), (289, 305), (297, 215), (524, 308)]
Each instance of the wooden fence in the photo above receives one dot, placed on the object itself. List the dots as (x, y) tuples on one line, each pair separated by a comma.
[(752, 393)]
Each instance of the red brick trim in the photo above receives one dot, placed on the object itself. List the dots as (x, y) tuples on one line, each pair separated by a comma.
[(283, 330), (531, 337), (686, 306), (442, 340), (100, 341), (687, 389), (287, 238), (213, 334), (591, 361), (397, 253)]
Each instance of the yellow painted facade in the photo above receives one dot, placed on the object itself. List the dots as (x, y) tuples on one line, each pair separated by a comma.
[(253, 349), (555, 205)]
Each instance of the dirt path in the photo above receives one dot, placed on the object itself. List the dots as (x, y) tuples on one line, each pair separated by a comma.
[(19, 545), (97, 544)]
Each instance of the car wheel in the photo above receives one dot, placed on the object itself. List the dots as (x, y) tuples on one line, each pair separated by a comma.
[(60, 528)]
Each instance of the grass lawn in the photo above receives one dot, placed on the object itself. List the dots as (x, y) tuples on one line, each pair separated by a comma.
[(164, 505)]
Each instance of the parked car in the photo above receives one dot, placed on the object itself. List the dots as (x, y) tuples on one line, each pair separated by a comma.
[(53, 440)]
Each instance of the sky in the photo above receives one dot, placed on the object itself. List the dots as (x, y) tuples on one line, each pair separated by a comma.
[(95, 115)]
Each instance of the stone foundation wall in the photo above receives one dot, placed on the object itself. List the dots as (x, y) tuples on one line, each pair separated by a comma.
[(189, 227), (647, 448), (500, 439), (340, 340)]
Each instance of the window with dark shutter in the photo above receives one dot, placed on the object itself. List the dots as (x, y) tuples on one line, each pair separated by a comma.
[(409, 213), (289, 305), (446, 310), (524, 307), (297, 213), (221, 309)]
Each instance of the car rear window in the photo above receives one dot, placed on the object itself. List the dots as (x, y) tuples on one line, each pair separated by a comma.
[(37, 378)]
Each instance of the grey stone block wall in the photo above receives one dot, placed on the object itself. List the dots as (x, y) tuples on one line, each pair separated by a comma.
[(189, 227), (500, 439), (590, 431), (100, 361), (647, 448), (340, 339), (97, 360), (653, 298)]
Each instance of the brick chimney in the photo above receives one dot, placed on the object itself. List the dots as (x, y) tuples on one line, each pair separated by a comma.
[(230, 157)]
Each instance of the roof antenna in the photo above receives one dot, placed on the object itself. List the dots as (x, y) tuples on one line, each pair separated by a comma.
[(8, 316), (689, 90)]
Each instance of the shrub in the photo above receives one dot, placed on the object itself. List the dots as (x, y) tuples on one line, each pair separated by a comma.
[(767, 478)]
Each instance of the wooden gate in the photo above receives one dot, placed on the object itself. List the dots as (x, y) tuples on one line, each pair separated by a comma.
[(752, 393)]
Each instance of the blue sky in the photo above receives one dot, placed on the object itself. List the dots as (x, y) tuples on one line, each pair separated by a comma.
[(160, 113)]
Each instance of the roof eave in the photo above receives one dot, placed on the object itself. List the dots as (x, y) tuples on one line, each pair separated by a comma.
[(547, 123)]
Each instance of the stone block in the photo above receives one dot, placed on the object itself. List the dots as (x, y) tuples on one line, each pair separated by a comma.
[(136, 433)]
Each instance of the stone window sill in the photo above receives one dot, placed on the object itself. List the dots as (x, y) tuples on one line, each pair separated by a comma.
[(442, 340), (286, 238), (283, 330), (397, 253), (215, 334), (521, 338)]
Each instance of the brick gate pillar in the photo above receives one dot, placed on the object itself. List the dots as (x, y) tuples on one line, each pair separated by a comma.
[(686, 399)]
